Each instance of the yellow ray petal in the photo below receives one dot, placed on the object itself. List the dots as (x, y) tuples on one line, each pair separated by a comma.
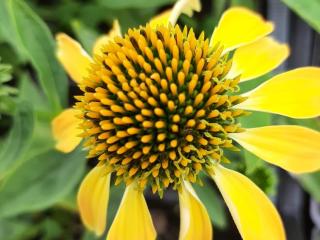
[(104, 39), (186, 7), (293, 94), (73, 57), (258, 58), (65, 130), (294, 148), (160, 19), (239, 26), (93, 197), (133, 220), (252, 211), (194, 219)]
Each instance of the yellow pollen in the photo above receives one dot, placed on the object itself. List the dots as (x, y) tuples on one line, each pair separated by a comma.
[(153, 158), (146, 138), (188, 110), (161, 147), (174, 89), (172, 155), (182, 98), (165, 164), (133, 131), (147, 124), (189, 138), (160, 124), (146, 149), (171, 106), (176, 118), (161, 137), (181, 77), (191, 123), (174, 143), (174, 65), (159, 112), (175, 128), (198, 99), (163, 98)]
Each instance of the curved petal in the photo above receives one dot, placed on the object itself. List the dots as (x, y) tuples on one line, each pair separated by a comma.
[(194, 220), (65, 130), (73, 57), (104, 39), (258, 58), (294, 94), (252, 211), (133, 220), (186, 7), (294, 148), (239, 26), (93, 197)]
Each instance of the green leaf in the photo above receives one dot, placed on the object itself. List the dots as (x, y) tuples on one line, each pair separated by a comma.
[(15, 229), (7, 31), (51, 229), (88, 235), (41, 182), (307, 9), (30, 92), (211, 20), (7, 105), (7, 93), (245, 3), (265, 178), (116, 193), (42, 139), (255, 119), (213, 204), (135, 3), (310, 182), (18, 139), (5, 72), (313, 123), (39, 46), (86, 35)]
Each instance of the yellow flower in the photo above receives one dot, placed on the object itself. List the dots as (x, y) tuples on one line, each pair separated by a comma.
[(160, 105)]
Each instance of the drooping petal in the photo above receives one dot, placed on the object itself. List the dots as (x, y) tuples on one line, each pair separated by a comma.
[(258, 58), (252, 211), (194, 220), (93, 197), (65, 130), (73, 57), (186, 7), (294, 94), (133, 220), (294, 148), (104, 39), (239, 26)]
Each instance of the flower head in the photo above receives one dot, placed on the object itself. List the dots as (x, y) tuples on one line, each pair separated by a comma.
[(160, 104), (157, 108)]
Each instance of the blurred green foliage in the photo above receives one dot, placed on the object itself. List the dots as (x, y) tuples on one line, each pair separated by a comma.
[(7, 93), (308, 10), (38, 185)]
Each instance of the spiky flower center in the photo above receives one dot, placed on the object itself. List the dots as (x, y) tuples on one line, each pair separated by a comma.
[(156, 106)]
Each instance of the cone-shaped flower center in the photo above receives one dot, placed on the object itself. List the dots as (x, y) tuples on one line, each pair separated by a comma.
[(157, 106)]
